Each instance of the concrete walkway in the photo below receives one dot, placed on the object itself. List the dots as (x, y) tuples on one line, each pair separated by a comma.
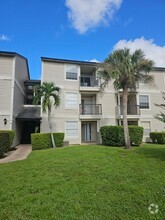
[(20, 153)]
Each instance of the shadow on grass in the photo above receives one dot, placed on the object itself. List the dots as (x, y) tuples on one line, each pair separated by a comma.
[(157, 152)]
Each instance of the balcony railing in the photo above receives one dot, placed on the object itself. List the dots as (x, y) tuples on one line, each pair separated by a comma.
[(131, 110), (91, 109), (90, 81)]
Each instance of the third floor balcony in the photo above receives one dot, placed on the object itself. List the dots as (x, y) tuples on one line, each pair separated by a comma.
[(90, 83)]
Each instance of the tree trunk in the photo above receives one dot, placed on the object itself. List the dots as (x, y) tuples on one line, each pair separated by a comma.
[(50, 127), (125, 122)]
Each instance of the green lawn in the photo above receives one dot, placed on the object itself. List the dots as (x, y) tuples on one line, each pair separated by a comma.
[(86, 183)]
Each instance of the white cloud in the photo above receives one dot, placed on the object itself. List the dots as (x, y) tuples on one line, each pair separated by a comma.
[(151, 50), (94, 60), (4, 37), (87, 14)]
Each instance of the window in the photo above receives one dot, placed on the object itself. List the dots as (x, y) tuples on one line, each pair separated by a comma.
[(71, 129), (147, 127), (71, 72), (144, 101), (71, 101)]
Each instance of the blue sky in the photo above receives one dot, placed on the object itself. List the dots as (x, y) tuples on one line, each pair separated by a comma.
[(81, 29)]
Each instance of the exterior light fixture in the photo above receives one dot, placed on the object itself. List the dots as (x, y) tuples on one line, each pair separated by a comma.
[(5, 121)]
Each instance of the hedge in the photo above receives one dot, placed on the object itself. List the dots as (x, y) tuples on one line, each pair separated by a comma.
[(158, 137), (43, 140), (4, 143), (114, 135), (136, 134), (11, 137)]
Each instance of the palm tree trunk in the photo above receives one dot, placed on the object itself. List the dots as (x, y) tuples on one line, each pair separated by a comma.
[(50, 127), (125, 121)]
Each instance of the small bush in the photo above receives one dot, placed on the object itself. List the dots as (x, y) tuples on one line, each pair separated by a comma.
[(58, 138), (4, 143), (136, 134), (158, 137), (11, 137), (43, 140), (114, 135)]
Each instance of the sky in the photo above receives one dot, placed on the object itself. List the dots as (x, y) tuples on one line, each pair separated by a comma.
[(86, 30)]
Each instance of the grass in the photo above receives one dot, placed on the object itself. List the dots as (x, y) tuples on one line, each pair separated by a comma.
[(86, 183)]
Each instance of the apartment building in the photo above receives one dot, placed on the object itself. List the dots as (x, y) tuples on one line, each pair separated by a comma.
[(16, 92), (83, 109)]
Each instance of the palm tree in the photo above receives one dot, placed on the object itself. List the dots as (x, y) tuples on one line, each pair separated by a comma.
[(50, 96), (126, 70)]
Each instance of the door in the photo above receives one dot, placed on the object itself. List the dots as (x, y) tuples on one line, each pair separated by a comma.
[(29, 127), (86, 132)]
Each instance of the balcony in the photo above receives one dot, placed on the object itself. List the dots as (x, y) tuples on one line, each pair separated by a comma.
[(133, 111), (90, 83), (90, 111)]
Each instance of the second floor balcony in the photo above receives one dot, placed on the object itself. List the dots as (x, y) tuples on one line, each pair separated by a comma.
[(89, 111), (133, 111), (90, 83)]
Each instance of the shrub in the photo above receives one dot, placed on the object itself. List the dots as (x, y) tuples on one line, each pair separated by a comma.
[(58, 138), (11, 137), (114, 135), (43, 140), (4, 143), (136, 134), (158, 137)]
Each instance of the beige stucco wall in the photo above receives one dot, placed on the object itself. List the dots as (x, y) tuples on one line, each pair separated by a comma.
[(153, 90), (6, 68), (20, 75), (6, 65), (55, 72)]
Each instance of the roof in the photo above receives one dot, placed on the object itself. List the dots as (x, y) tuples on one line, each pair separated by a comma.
[(159, 68), (11, 54), (57, 60), (29, 113), (68, 61)]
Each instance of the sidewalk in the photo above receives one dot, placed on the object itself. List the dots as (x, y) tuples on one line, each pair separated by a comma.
[(20, 153)]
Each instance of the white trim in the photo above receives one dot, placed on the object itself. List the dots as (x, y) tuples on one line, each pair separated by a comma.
[(5, 77), (141, 91), (5, 113), (12, 93)]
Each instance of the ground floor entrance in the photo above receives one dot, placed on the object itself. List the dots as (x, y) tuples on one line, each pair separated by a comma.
[(88, 131), (29, 127)]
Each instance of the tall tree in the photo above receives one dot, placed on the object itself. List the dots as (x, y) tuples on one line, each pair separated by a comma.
[(161, 115), (126, 69), (50, 97)]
